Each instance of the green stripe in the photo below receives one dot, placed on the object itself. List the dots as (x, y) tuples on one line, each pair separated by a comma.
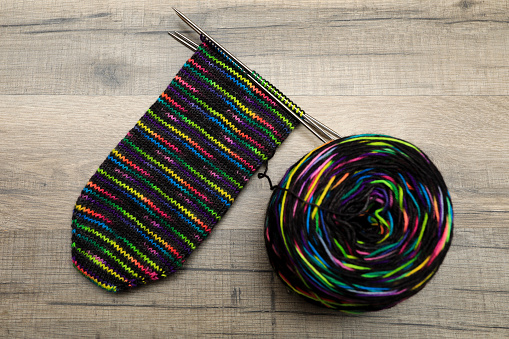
[(245, 81)]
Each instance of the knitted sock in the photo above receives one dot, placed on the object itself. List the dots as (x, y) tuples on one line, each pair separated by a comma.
[(169, 181)]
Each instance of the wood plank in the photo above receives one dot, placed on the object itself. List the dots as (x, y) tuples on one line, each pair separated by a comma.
[(227, 288), (304, 47), (53, 144), (75, 76)]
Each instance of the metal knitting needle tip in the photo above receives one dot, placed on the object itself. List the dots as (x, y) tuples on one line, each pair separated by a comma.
[(188, 22), (184, 40), (189, 41)]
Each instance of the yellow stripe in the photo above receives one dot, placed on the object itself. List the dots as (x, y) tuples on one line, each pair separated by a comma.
[(313, 269), (417, 268), (324, 193), (315, 181), (425, 279)]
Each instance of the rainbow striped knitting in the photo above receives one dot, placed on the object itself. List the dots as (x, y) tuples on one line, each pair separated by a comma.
[(165, 186)]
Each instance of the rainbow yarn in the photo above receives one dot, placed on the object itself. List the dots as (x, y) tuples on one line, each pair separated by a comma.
[(359, 224)]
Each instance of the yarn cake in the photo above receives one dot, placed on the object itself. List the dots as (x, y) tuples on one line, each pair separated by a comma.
[(359, 224)]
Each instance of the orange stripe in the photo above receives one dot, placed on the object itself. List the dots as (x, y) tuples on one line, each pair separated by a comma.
[(340, 181), (170, 100), (93, 213), (130, 163), (103, 191)]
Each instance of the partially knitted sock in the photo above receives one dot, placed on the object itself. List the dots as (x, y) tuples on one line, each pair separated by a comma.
[(169, 181)]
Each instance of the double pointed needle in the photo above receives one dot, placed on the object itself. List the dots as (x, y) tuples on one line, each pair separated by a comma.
[(193, 46), (316, 127)]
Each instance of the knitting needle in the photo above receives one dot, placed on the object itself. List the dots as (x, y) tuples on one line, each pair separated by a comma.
[(308, 121), (315, 123), (193, 46)]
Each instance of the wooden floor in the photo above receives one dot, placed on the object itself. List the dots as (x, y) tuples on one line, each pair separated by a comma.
[(76, 75)]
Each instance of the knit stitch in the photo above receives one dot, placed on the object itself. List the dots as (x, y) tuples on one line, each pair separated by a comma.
[(169, 181)]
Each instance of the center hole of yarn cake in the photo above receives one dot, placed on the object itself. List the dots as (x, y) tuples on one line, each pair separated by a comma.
[(373, 222)]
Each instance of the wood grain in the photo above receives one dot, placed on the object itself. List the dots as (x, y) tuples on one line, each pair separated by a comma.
[(306, 47), (75, 76)]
